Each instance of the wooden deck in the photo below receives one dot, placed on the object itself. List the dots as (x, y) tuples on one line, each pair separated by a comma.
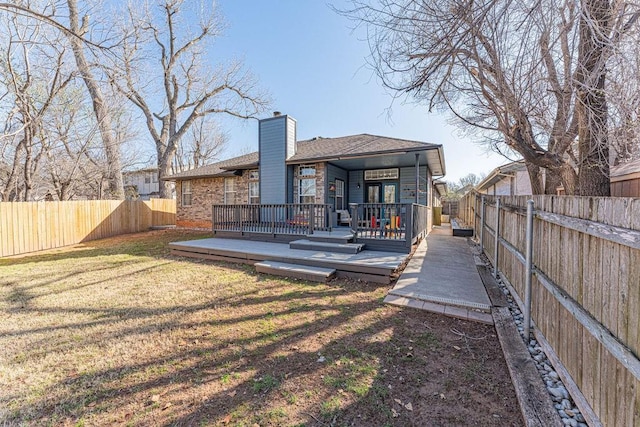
[(373, 266)]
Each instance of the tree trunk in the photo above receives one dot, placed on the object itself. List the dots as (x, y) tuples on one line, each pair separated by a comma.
[(552, 180), (591, 105), (536, 179), (100, 108), (166, 154)]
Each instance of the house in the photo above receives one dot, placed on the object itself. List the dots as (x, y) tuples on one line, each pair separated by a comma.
[(331, 174), (141, 184), (625, 179), (511, 179)]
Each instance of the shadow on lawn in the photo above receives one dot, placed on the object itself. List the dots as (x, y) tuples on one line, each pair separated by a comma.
[(125, 244), (262, 352), (327, 360), (350, 386)]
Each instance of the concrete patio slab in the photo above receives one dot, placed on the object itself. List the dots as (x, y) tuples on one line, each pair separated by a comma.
[(442, 274)]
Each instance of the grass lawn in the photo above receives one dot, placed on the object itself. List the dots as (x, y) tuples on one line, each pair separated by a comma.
[(118, 332)]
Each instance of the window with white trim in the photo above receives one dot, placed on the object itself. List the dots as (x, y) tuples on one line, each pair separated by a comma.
[(378, 174), (339, 198), (229, 191), (307, 184), (185, 189), (254, 187)]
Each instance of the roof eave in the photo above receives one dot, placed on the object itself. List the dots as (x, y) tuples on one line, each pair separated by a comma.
[(369, 154)]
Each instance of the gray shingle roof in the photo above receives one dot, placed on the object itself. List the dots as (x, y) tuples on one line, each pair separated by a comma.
[(354, 145), (219, 168), (315, 149)]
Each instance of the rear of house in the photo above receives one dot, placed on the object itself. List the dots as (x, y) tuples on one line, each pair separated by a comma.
[(334, 172)]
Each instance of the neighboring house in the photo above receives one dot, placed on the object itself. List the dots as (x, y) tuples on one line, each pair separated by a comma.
[(625, 179), (323, 171), (141, 184), (511, 179)]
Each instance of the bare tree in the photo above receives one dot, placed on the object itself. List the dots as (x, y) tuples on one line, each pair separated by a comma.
[(32, 71), (507, 70), (76, 35), (188, 90), (203, 144), (75, 164)]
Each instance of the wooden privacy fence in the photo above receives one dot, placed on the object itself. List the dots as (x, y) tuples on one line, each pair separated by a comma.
[(585, 289), (34, 226)]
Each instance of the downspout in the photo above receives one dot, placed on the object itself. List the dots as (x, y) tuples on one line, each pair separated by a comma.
[(418, 178)]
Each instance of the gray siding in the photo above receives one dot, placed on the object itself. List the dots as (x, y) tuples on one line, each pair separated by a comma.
[(356, 195), (273, 172), (333, 173), (408, 185)]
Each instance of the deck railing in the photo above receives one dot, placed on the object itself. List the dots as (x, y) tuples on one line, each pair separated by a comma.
[(272, 218), (421, 222), (384, 226), (390, 221), (380, 220)]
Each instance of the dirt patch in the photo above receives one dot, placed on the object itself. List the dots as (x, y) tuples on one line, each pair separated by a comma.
[(118, 332)]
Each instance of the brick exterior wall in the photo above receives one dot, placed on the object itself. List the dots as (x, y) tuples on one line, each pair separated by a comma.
[(206, 192)]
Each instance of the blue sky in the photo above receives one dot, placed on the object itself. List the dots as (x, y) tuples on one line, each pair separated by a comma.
[(313, 65)]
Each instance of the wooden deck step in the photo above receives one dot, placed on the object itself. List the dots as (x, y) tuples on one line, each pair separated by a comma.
[(305, 272), (343, 248), (335, 236)]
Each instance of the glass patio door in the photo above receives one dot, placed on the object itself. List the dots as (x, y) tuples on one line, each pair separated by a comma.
[(373, 193), (390, 192)]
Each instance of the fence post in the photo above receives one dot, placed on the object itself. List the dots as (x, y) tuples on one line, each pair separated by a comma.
[(529, 265), (482, 208), (497, 239), (474, 219)]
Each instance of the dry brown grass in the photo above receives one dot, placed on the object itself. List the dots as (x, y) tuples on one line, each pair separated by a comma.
[(117, 332)]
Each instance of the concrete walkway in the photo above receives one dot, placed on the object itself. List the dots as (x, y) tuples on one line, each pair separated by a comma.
[(442, 277)]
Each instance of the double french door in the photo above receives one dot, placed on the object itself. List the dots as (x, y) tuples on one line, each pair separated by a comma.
[(386, 192)]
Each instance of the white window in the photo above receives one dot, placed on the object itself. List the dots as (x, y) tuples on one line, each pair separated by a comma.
[(339, 194), (147, 179), (254, 187), (307, 184), (307, 170), (229, 191), (378, 174), (186, 193)]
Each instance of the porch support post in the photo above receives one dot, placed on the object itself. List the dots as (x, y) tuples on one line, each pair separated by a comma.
[(418, 180)]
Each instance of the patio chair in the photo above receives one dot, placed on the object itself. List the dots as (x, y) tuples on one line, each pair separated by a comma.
[(344, 218)]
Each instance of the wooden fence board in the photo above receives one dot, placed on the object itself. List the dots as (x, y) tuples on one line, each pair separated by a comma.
[(588, 247), (33, 226)]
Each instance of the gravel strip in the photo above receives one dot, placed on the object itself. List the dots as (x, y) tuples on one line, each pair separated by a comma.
[(567, 409)]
